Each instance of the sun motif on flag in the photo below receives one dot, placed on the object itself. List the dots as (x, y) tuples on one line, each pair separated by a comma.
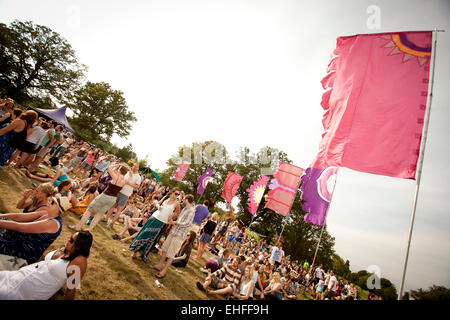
[(256, 192), (401, 44)]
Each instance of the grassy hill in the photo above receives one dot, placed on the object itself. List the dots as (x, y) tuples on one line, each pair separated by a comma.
[(112, 274)]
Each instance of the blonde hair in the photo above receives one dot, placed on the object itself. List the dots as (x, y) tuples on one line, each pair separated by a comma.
[(214, 216), (49, 189)]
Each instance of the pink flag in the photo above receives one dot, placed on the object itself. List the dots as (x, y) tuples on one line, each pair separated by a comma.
[(375, 101), (181, 171), (231, 185), (255, 193), (283, 188)]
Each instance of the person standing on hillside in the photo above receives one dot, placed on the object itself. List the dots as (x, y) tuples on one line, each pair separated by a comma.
[(176, 237), (124, 194)]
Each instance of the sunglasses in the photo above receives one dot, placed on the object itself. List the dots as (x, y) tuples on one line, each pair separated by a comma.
[(177, 194), (71, 240)]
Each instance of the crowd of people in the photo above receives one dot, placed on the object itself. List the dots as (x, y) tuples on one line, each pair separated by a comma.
[(153, 218)]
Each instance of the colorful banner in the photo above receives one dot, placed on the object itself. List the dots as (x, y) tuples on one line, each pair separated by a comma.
[(203, 180), (230, 186), (181, 171), (255, 193), (375, 103), (317, 188), (283, 188)]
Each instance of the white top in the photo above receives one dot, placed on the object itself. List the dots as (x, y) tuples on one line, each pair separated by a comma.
[(318, 273), (280, 256), (333, 278), (164, 212), (37, 281), (36, 135), (244, 288), (127, 190)]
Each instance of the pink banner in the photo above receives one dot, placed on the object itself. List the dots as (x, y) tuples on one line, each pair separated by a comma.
[(283, 188), (255, 193), (230, 186), (375, 103), (181, 171)]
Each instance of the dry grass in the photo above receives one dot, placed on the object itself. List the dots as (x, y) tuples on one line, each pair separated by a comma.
[(112, 273)]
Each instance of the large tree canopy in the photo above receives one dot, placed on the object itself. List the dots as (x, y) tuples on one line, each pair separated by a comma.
[(37, 64), (99, 112)]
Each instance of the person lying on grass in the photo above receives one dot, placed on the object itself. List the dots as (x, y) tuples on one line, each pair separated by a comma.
[(41, 280)]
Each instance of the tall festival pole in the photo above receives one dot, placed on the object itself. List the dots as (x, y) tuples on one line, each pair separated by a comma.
[(419, 168)]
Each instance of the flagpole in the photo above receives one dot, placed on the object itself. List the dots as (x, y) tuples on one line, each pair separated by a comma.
[(324, 221), (419, 168)]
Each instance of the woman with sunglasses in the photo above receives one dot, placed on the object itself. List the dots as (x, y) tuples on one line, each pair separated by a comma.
[(41, 280), (154, 228), (28, 235)]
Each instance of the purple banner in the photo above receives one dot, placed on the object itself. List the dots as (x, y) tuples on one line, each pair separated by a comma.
[(317, 188)]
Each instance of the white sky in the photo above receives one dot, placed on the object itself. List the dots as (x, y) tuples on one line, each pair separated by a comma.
[(247, 73)]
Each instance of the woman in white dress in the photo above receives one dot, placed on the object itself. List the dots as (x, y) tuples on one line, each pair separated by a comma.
[(155, 227), (41, 280)]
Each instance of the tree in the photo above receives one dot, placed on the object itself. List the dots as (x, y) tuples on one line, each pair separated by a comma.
[(99, 112), (37, 64), (433, 293)]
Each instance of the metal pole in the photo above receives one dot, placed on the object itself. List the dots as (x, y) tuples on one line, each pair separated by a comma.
[(318, 244), (419, 168)]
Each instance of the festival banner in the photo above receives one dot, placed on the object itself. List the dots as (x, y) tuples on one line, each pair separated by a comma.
[(230, 186), (375, 103), (181, 171), (283, 188), (203, 180), (317, 188), (256, 192)]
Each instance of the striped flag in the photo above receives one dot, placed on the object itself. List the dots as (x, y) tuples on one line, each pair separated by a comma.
[(283, 188)]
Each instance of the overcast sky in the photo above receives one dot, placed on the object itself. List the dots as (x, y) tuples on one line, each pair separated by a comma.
[(247, 73)]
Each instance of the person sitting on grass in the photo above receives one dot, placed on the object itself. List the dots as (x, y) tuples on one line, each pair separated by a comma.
[(225, 280), (247, 285), (182, 257), (289, 289), (90, 194), (28, 235), (132, 225), (274, 291), (41, 280), (39, 198), (216, 263)]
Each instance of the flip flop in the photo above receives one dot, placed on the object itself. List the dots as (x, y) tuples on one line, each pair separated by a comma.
[(159, 276)]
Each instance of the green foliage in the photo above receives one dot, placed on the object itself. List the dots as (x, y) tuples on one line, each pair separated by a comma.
[(341, 268), (432, 293), (99, 112), (37, 64)]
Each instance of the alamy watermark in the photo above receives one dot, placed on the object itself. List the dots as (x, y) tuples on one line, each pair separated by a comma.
[(373, 22), (373, 282), (214, 153)]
